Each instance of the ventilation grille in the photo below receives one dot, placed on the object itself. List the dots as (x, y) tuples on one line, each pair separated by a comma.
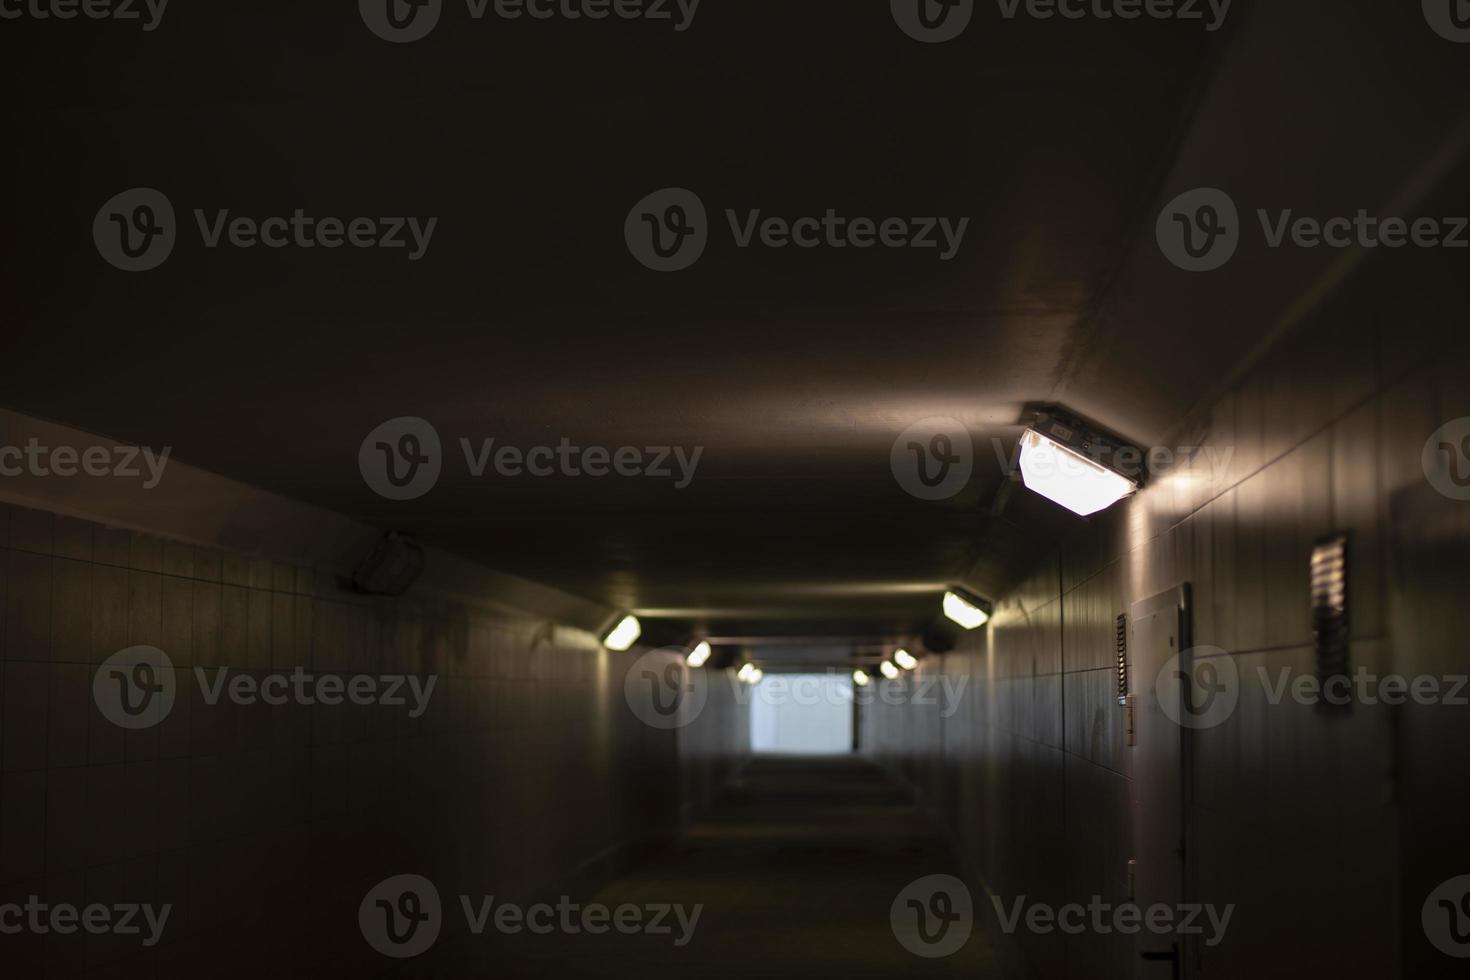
[(1122, 658), (1330, 611)]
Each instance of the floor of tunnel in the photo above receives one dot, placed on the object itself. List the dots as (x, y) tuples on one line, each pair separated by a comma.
[(796, 866)]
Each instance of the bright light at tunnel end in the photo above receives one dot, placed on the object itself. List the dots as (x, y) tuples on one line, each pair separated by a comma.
[(1066, 477), (965, 613), (623, 635)]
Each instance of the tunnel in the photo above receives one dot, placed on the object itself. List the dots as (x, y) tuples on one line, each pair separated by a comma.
[(735, 488)]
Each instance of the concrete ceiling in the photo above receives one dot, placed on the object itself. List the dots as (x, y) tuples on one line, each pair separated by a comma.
[(528, 321)]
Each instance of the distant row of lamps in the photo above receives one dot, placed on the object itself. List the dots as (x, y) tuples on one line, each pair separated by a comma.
[(966, 610)]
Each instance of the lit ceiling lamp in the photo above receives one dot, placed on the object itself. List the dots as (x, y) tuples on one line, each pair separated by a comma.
[(750, 673), (860, 678), (965, 610), (1062, 459), (699, 656), (623, 635), (756, 675), (905, 659), (889, 671)]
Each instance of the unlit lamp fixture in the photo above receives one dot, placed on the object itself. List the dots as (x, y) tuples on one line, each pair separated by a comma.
[(623, 635), (699, 656), (966, 611), (905, 659), (1062, 460)]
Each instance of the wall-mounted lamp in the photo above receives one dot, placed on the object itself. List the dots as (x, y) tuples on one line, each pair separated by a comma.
[(968, 611), (905, 659), (1076, 466), (624, 634), (699, 656)]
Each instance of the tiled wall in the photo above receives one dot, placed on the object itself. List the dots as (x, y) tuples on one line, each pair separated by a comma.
[(265, 826), (1326, 831)]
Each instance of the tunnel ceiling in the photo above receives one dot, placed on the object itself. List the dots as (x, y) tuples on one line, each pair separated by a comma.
[(528, 321)]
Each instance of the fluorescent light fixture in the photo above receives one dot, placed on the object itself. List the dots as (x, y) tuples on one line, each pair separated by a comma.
[(1065, 476), (623, 635), (699, 655), (889, 671), (861, 678), (905, 659), (960, 610)]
